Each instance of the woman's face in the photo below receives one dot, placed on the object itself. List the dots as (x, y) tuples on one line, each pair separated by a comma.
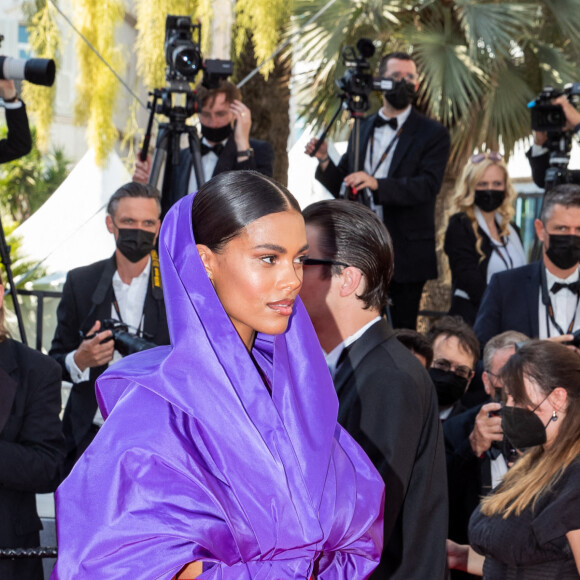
[(258, 274), (492, 178)]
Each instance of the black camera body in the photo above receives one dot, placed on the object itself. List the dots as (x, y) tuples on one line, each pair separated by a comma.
[(547, 116), (38, 71), (126, 342)]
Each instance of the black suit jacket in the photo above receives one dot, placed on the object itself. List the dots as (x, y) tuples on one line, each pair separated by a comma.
[(510, 302), (388, 404), (540, 164), (87, 296), (19, 142), (31, 449), (262, 161), (409, 192)]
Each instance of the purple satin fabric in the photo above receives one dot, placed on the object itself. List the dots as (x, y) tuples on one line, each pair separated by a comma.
[(197, 461)]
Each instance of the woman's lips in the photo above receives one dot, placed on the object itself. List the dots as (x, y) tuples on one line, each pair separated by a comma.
[(283, 307)]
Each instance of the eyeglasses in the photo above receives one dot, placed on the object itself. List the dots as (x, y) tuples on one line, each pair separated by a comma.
[(491, 155), (460, 370), (322, 262)]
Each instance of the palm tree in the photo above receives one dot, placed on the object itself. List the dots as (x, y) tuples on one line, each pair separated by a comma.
[(480, 62)]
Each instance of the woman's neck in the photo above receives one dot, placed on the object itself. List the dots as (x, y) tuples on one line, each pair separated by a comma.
[(489, 218)]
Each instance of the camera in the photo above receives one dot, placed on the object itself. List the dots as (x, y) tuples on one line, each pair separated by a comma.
[(38, 71), (576, 340), (183, 54), (547, 116), (357, 83), (126, 343)]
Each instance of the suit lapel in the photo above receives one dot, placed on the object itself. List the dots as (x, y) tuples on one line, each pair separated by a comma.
[(227, 159), (8, 382), (533, 299), (405, 140)]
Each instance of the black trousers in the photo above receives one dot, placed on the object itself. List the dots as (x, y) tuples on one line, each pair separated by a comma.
[(405, 298)]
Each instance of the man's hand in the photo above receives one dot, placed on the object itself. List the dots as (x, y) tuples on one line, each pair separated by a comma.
[(142, 170), (321, 154), (243, 117), (486, 429), (360, 179), (570, 112), (7, 90), (95, 351), (565, 339)]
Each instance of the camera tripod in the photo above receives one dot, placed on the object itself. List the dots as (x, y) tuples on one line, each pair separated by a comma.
[(168, 139)]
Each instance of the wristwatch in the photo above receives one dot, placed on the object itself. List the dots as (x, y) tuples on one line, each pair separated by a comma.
[(246, 153)]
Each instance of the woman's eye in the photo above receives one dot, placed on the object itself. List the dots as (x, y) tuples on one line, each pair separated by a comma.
[(268, 259), (300, 259)]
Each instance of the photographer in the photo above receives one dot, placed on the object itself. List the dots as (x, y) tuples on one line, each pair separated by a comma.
[(19, 141), (225, 144), (539, 155), (404, 155), (125, 287)]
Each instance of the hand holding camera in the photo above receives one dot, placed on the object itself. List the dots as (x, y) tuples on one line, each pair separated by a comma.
[(96, 349), (487, 428)]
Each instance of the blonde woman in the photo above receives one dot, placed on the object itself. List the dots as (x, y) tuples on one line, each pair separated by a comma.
[(479, 238), (529, 527)]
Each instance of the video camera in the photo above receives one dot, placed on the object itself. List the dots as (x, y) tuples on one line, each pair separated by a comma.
[(357, 83), (38, 71), (126, 342)]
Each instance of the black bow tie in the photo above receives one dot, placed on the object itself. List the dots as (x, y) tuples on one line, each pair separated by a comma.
[(217, 149), (574, 287), (380, 122)]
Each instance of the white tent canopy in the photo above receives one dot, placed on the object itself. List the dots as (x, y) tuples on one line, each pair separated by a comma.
[(69, 229)]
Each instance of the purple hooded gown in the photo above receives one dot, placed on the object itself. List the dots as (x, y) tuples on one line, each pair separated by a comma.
[(197, 461)]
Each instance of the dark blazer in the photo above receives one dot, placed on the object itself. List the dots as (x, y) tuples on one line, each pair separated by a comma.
[(87, 296), (262, 161), (19, 142), (540, 164), (388, 404), (408, 194), (31, 449), (510, 302)]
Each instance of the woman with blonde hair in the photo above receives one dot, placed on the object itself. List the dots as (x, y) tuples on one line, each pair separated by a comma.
[(529, 527), (479, 238)]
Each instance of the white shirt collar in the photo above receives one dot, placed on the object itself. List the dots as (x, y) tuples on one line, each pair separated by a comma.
[(401, 117)]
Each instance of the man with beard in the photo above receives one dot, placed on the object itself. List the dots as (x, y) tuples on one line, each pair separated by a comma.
[(541, 299), (403, 157), (125, 287), (225, 143), (455, 354)]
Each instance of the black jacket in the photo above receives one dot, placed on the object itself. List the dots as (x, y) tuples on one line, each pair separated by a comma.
[(408, 194), (388, 404), (87, 296), (19, 142), (32, 449)]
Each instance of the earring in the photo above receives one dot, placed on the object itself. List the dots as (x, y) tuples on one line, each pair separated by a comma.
[(554, 416)]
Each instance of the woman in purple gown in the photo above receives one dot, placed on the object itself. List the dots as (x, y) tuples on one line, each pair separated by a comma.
[(222, 450)]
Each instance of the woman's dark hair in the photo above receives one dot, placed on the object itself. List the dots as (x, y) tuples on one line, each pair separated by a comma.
[(230, 201)]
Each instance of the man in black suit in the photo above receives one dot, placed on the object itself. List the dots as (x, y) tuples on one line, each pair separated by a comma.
[(125, 287), (225, 144), (403, 156), (540, 299), (476, 457), (386, 400), (31, 446), (18, 142)]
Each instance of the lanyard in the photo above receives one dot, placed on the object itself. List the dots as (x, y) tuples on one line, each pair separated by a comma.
[(547, 301), (501, 256), (387, 150)]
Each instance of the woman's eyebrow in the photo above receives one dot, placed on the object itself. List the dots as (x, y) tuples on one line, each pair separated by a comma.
[(277, 248)]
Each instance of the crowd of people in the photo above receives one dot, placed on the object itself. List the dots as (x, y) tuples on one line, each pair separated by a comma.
[(284, 419)]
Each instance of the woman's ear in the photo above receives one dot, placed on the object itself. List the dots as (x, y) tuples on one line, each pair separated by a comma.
[(559, 399), (207, 259)]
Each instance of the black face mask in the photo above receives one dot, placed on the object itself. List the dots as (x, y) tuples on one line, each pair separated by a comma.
[(522, 427), (488, 199), (216, 134), (564, 250), (449, 386), (401, 95), (134, 243)]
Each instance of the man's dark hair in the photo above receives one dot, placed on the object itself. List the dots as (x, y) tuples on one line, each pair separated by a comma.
[(231, 200), (566, 194), (353, 234), (207, 96), (455, 326), (416, 342), (133, 189), (391, 55)]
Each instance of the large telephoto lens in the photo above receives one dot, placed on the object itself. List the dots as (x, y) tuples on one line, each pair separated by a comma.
[(38, 71)]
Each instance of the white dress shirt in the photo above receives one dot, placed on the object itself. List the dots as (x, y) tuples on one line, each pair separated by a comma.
[(564, 304), (208, 163)]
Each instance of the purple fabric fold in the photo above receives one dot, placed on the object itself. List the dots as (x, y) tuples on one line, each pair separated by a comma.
[(198, 461)]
